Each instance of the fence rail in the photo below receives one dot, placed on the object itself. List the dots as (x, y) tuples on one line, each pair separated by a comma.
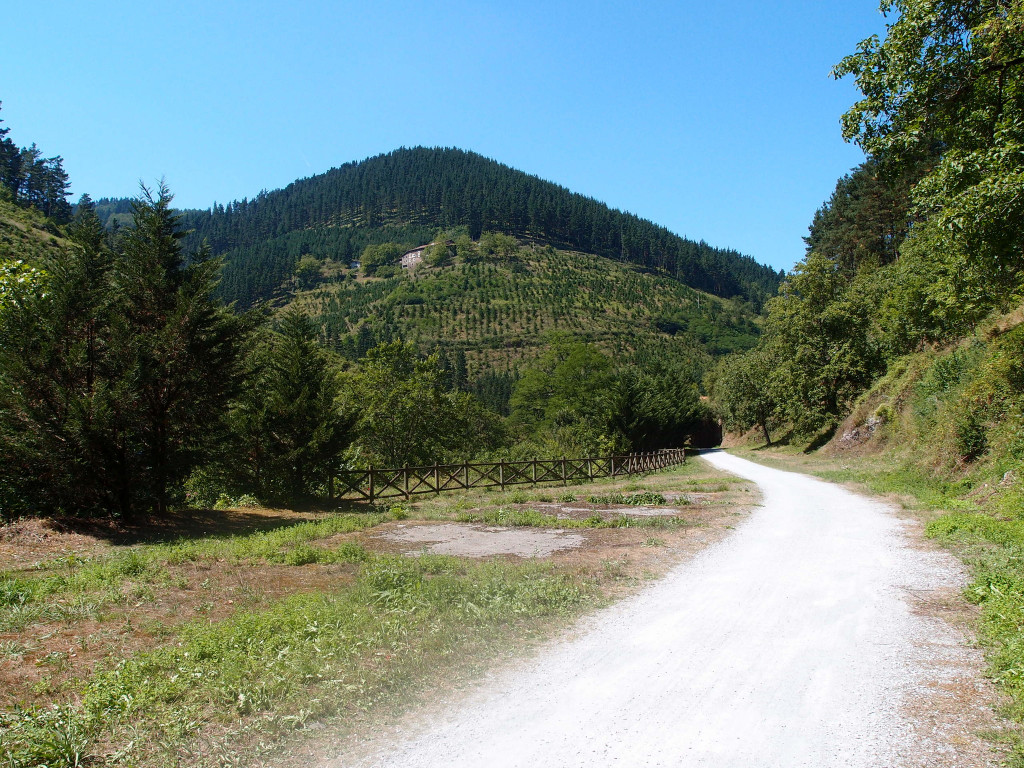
[(372, 484)]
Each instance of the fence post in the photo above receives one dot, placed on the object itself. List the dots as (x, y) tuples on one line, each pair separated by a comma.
[(501, 473), (533, 466), (437, 481), (405, 474), (371, 485), (465, 474), (590, 469), (564, 482)]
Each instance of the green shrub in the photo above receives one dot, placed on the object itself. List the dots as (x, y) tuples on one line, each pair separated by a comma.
[(970, 434)]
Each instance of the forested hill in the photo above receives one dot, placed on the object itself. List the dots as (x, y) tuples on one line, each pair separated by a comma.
[(407, 195)]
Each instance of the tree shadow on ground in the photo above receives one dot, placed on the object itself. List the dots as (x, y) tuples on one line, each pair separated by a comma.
[(185, 524), (821, 439)]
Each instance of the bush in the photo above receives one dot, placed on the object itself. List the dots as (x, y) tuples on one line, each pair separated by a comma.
[(970, 434)]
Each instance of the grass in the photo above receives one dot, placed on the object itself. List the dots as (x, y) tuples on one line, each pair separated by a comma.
[(991, 542), (535, 519), (305, 658), (71, 587)]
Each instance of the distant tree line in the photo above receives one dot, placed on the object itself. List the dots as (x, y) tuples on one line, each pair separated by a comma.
[(413, 191), (30, 179)]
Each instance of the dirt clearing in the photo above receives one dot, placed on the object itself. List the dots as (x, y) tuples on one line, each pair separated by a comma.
[(469, 540)]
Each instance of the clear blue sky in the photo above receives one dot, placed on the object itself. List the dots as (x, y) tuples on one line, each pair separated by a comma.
[(717, 120)]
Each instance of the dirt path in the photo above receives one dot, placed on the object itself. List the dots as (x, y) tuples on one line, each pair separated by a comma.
[(800, 640)]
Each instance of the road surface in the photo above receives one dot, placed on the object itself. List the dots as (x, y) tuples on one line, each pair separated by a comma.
[(796, 641)]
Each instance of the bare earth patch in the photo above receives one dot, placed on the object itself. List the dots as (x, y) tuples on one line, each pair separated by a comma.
[(474, 540)]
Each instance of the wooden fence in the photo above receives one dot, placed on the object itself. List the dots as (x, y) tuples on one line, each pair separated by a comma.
[(371, 484)]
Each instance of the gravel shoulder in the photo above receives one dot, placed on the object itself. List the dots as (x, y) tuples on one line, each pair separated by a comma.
[(816, 634)]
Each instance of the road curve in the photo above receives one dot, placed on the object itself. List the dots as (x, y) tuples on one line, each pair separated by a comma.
[(790, 643)]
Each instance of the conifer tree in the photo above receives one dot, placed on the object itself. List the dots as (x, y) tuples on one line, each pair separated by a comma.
[(286, 420), (173, 354)]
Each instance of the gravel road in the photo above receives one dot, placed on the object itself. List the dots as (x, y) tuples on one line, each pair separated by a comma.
[(793, 642)]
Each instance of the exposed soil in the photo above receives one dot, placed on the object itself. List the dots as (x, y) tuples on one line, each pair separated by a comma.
[(475, 540), (40, 661)]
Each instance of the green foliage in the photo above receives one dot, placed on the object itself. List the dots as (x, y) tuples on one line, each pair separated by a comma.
[(950, 75), (569, 397), (440, 253), (658, 404), (288, 430), (308, 272), (404, 415), (744, 391), (863, 223), (19, 282), (300, 659), (925, 240), (640, 499), (819, 352), (376, 256), (115, 378), (32, 180), (55, 737)]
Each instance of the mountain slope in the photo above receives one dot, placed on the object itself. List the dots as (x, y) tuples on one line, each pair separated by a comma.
[(497, 308), (407, 195), (25, 234)]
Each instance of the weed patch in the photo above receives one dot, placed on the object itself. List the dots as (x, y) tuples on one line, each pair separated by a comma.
[(304, 658), (535, 519), (640, 499)]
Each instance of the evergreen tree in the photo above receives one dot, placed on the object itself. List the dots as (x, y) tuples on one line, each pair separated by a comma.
[(460, 371), (58, 423), (173, 354), (10, 161), (286, 421)]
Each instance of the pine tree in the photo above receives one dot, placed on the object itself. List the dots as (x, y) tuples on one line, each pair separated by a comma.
[(57, 411), (286, 420), (174, 351)]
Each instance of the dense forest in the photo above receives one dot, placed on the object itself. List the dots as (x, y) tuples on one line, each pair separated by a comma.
[(406, 195)]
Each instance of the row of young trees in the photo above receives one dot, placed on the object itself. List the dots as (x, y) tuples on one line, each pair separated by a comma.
[(921, 242)]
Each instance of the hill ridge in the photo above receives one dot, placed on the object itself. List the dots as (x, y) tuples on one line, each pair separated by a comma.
[(407, 194)]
